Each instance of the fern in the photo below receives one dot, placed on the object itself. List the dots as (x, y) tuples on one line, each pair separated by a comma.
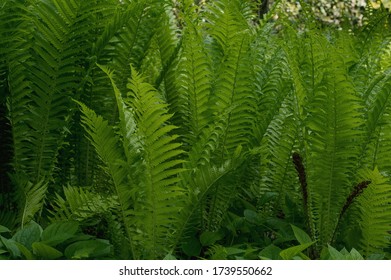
[(80, 204), (276, 129), (108, 148), (133, 39), (233, 88), (280, 140), (195, 84), (5, 126), (31, 198), (377, 104), (227, 92), (200, 183), (158, 190), (147, 194), (333, 132), (42, 73), (169, 45), (107, 28), (210, 112), (53, 73), (374, 207), (272, 83)]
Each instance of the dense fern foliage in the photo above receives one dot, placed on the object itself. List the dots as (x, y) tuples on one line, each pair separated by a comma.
[(173, 129)]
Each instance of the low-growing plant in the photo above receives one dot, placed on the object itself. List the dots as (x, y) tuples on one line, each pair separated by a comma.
[(60, 240)]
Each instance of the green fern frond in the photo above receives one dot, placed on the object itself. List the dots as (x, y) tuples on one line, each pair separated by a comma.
[(131, 142), (225, 86), (13, 28), (43, 72), (133, 39), (52, 66), (375, 213), (31, 197), (145, 168), (204, 157), (97, 27), (200, 184), (168, 44), (232, 80), (305, 56), (194, 83), (169, 47), (107, 146), (151, 156), (158, 192), (376, 142), (279, 142), (204, 151), (233, 91), (277, 122), (225, 20), (333, 133), (272, 85), (80, 204)]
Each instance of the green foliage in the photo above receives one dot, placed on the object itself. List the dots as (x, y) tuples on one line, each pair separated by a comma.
[(173, 130), (374, 214), (143, 165), (59, 240), (333, 254)]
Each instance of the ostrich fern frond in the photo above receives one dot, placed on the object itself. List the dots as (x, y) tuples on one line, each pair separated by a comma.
[(195, 84), (333, 133), (144, 166), (375, 213)]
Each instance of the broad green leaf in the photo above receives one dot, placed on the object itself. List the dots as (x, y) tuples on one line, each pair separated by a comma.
[(234, 251), (88, 249), (170, 257), (11, 246), (289, 253), (208, 238), (45, 252), (4, 229), (191, 247), (376, 256), (26, 252), (59, 232), (335, 254), (29, 234), (344, 254), (354, 255), (271, 252), (301, 235), (252, 217)]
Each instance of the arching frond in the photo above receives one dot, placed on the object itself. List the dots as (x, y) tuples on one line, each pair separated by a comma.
[(80, 204), (31, 198), (158, 191), (200, 183), (108, 147), (333, 133), (194, 84), (375, 213)]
